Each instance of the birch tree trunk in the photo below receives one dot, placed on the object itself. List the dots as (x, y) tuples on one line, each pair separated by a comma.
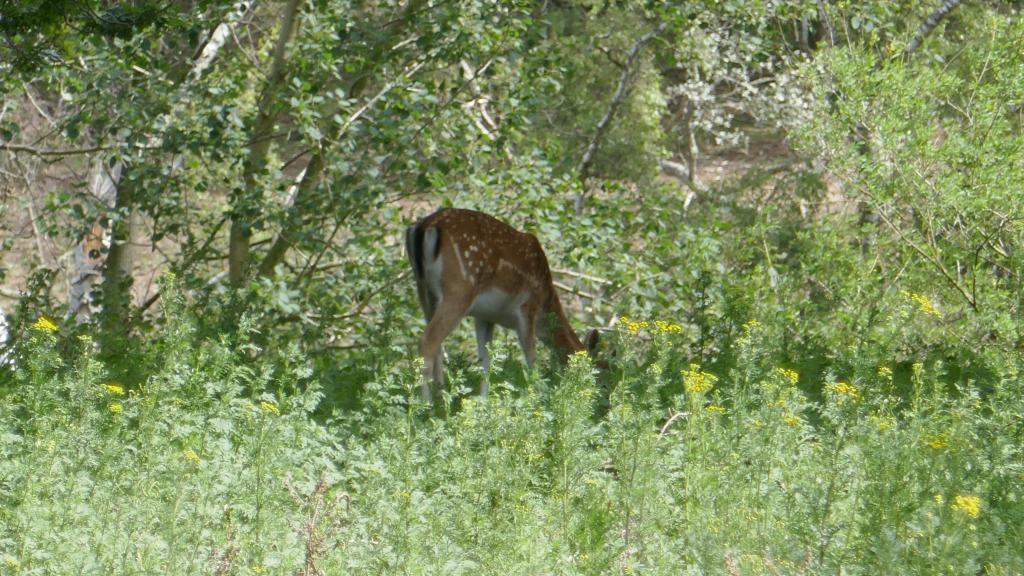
[(626, 75), (117, 271), (87, 257)]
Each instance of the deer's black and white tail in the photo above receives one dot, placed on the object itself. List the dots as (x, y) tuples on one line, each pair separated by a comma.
[(422, 246)]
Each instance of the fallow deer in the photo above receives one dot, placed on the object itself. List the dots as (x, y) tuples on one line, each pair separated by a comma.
[(467, 263)]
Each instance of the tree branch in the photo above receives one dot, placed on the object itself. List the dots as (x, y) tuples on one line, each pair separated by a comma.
[(313, 172), (930, 258), (189, 261), (628, 70), (239, 234), (929, 24), (44, 152)]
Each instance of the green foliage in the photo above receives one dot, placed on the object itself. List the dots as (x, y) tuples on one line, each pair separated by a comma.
[(574, 69), (39, 33), (215, 465), (928, 153)]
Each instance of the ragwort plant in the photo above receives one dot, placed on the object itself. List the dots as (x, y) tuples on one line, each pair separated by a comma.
[(663, 465), (181, 474)]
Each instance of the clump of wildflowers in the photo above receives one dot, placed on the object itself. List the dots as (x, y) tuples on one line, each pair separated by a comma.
[(115, 408), (789, 374), (750, 329), (968, 504), (715, 409), (924, 303), (190, 455), (695, 381), (269, 407), (843, 390), (883, 423), (937, 441), (114, 388), (664, 327), (634, 327), (44, 324), (579, 358)]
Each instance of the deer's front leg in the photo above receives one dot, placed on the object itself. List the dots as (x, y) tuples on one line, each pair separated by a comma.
[(527, 333)]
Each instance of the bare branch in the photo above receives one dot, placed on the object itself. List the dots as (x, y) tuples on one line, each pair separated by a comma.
[(576, 274), (929, 257), (315, 168), (44, 152), (929, 24), (676, 416), (628, 71), (573, 291)]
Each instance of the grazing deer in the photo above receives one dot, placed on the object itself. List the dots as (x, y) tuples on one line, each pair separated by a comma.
[(467, 263)]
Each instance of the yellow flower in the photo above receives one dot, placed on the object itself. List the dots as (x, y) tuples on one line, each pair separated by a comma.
[(115, 408), (939, 499), (695, 381), (190, 455), (969, 505), (751, 325), (791, 420), (114, 388), (667, 327), (579, 360), (843, 389), (715, 409), (885, 372), (44, 324), (789, 374), (12, 563), (269, 407), (924, 303), (937, 441), (883, 422), (633, 327)]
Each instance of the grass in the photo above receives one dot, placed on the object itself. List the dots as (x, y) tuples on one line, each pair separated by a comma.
[(217, 466)]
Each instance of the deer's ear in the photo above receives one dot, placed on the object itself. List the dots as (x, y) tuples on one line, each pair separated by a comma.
[(591, 341)]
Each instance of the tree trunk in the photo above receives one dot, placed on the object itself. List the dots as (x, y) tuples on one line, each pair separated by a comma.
[(87, 258), (117, 272), (929, 24), (317, 163), (245, 209)]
